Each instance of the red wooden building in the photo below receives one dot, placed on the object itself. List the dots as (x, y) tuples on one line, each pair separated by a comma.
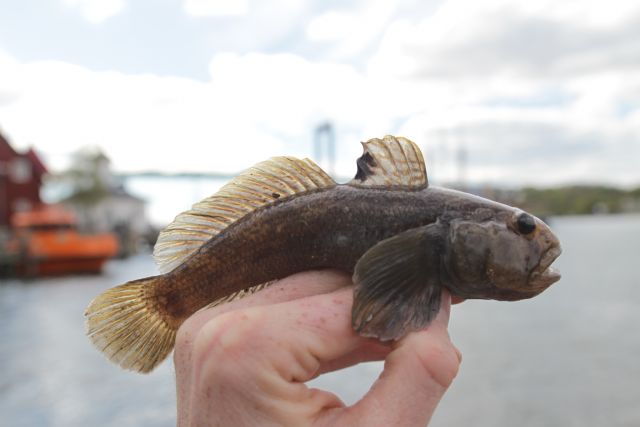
[(20, 180)]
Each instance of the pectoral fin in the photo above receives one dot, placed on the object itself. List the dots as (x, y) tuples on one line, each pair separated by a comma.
[(398, 284)]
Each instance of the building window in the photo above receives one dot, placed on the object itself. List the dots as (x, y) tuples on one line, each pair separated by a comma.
[(21, 205), (20, 171)]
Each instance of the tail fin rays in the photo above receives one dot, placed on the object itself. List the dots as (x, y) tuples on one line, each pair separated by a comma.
[(124, 324)]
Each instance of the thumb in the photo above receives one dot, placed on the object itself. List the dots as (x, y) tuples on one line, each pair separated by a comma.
[(416, 375)]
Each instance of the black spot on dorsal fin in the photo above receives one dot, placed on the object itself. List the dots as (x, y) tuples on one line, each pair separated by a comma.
[(390, 162), (365, 164)]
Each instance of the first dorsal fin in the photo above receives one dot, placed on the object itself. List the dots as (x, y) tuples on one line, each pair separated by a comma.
[(390, 162), (260, 185)]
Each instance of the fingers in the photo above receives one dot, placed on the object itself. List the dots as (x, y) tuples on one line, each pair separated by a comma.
[(416, 374), (316, 331), (264, 354), (265, 347), (292, 288)]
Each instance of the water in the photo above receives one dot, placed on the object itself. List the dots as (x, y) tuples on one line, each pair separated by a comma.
[(566, 358)]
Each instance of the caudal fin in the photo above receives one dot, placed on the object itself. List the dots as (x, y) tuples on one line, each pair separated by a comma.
[(126, 326)]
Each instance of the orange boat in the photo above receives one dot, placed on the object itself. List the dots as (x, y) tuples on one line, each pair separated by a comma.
[(46, 242)]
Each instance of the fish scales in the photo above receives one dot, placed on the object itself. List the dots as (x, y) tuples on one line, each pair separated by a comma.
[(328, 228), (402, 240)]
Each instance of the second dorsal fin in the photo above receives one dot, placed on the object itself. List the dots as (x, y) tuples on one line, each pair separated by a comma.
[(260, 185), (390, 161)]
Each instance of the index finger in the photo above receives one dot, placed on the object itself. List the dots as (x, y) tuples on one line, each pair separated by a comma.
[(294, 287)]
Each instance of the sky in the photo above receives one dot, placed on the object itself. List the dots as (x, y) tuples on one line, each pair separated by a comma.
[(533, 93)]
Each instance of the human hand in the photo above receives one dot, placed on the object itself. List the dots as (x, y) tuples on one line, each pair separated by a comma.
[(245, 363)]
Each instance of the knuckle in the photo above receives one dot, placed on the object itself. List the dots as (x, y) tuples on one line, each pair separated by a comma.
[(185, 334), (228, 337), (184, 342), (441, 362)]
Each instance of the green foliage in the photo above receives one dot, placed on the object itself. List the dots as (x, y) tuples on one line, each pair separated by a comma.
[(579, 199)]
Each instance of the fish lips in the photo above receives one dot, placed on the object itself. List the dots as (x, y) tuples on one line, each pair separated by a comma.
[(544, 275)]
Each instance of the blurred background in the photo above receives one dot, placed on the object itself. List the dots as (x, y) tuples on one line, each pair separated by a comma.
[(116, 115)]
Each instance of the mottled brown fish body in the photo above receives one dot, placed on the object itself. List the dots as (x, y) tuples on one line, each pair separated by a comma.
[(327, 228), (403, 241)]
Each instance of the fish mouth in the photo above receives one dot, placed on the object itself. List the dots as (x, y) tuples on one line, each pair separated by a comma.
[(544, 275)]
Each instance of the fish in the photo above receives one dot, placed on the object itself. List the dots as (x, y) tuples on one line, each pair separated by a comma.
[(402, 240)]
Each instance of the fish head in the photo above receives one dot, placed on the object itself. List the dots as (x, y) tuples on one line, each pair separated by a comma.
[(505, 257)]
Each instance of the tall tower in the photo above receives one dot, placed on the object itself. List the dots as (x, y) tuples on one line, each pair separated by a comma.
[(462, 159), (324, 146)]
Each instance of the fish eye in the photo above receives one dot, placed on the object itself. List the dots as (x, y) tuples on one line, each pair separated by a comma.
[(526, 223)]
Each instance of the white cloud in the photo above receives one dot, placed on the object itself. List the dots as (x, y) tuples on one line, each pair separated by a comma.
[(216, 7), (330, 26), (251, 108), (351, 30), (592, 13), (535, 94), (11, 81), (541, 39), (523, 86), (97, 11)]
